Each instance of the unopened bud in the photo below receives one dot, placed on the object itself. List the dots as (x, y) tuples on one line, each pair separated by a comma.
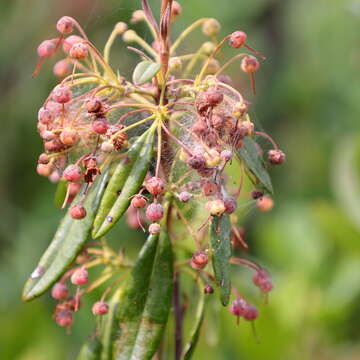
[(208, 47), (276, 156), (77, 212), (129, 36), (79, 51), (176, 10), (154, 228), (154, 212), (64, 318), (214, 97), (265, 203), (60, 291), (237, 39), (175, 64), (211, 27), (137, 16), (72, 173), (155, 186), (62, 68), (100, 308), (230, 205), (44, 169), (138, 201), (250, 64), (46, 48), (184, 196), (199, 260), (69, 136), (70, 41), (62, 94), (65, 25), (80, 276)]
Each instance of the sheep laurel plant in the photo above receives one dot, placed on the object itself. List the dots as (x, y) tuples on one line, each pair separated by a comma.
[(156, 149)]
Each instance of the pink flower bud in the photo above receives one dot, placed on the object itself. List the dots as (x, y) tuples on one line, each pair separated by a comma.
[(70, 41), (72, 173), (43, 159), (44, 169), (60, 291), (237, 39), (100, 126), (154, 212), (265, 203), (226, 155), (154, 228), (62, 68), (230, 205), (250, 64), (184, 196), (64, 318), (155, 186), (77, 212), (238, 307), (69, 136), (62, 94), (176, 10), (46, 48), (250, 313), (208, 289), (214, 97), (100, 308), (79, 51), (276, 156), (47, 135), (80, 276), (65, 25), (45, 116), (199, 260), (93, 105), (138, 201), (262, 279)]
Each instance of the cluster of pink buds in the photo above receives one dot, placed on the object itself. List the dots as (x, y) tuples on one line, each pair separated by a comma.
[(167, 140), (69, 303)]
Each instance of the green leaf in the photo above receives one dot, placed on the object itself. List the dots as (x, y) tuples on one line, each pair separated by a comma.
[(91, 350), (145, 71), (220, 242), (146, 301), (66, 244), (60, 193), (124, 183), (249, 153), (199, 317)]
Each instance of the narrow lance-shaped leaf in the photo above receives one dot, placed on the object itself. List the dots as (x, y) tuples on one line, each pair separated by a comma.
[(91, 350), (146, 301), (124, 183), (145, 71), (221, 252), (199, 317), (66, 244), (249, 153)]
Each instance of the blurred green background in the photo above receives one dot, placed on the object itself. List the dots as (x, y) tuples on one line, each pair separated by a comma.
[(308, 98)]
